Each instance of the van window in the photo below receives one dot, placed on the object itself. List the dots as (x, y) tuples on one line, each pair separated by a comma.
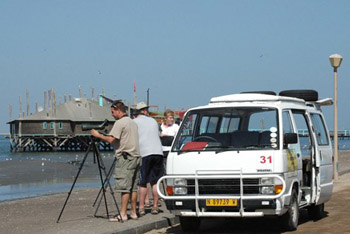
[(209, 124), (187, 129), (303, 133), (287, 123), (262, 121), (229, 124), (215, 129), (320, 129)]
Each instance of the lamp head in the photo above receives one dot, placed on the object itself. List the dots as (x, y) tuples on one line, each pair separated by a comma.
[(335, 60)]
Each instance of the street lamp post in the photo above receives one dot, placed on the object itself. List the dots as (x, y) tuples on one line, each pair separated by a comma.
[(335, 60)]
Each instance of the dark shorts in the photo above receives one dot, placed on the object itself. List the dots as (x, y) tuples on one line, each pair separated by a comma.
[(151, 169)]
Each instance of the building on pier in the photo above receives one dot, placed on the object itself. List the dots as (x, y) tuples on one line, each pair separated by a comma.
[(60, 128)]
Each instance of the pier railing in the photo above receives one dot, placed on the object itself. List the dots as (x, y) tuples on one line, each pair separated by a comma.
[(4, 135), (342, 134)]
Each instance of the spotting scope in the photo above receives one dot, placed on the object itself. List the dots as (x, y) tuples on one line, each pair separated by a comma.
[(88, 127)]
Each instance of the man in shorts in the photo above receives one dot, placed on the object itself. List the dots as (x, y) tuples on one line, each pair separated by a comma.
[(152, 156), (124, 138)]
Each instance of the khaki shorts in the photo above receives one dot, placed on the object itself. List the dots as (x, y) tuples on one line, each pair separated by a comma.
[(127, 174)]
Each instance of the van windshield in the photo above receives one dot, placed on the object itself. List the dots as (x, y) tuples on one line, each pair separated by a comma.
[(221, 129)]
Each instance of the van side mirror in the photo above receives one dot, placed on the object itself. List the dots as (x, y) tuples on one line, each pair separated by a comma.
[(290, 138)]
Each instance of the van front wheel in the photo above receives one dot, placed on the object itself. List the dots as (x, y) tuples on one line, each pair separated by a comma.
[(291, 218), (189, 223)]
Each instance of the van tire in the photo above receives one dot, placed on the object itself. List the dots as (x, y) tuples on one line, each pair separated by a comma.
[(189, 224), (290, 219), (316, 212), (305, 94)]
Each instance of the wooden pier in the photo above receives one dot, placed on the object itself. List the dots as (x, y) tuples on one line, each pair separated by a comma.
[(342, 134), (40, 143)]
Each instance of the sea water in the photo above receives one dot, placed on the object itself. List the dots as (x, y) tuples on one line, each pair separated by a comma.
[(13, 185)]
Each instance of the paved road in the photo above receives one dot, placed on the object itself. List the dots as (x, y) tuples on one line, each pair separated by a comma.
[(336, 220)]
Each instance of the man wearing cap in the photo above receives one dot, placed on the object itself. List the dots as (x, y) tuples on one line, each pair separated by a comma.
[(124, 138), (152, 156)]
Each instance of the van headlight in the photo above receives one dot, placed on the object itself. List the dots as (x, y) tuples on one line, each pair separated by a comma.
[(180, 190), (267, 190), (180, 186), (180, 182), (270, 186)]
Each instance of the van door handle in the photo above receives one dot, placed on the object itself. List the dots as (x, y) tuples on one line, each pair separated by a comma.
[(298, 155)]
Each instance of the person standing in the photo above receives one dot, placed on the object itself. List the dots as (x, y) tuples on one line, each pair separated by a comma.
[(169, 130), (124, 138), (169, 127), (152, 156)]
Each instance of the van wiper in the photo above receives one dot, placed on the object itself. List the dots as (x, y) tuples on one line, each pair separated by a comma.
[(226, 148), (256, 146)]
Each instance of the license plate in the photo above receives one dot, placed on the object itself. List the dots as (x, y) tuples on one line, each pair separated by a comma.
[(221, 202)]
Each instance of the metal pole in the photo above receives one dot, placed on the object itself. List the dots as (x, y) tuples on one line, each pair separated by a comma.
[(27, 98), (147, 97), (104, 94), (335, 126), (10, 114), (50, 102), (80, 93), (45, 100), (20, 106)]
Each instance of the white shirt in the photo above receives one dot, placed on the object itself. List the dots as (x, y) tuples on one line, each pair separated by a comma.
[(169, 131), (148, 132)]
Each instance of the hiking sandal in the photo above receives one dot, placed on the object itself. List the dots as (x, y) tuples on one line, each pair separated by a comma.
[(142, 211), (155, 210)]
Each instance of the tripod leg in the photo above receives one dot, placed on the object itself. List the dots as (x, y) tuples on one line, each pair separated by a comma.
[(108, 176), (99, 169), (108, 180), (75, 180)]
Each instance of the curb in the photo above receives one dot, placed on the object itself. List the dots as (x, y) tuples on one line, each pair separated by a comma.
[(146, 227)]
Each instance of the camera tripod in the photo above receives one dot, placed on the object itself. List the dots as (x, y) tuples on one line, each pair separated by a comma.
[(93, 147)]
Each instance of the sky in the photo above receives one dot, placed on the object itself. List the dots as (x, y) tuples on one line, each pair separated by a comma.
[(184, 52)]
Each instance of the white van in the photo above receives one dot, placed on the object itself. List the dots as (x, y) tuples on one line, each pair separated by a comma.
[(251, 155)]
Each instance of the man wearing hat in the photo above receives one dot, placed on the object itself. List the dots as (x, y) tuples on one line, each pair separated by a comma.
[(124, 138), (152, 156)]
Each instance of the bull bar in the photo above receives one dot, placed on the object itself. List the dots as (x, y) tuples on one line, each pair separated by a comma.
[(219, 174)]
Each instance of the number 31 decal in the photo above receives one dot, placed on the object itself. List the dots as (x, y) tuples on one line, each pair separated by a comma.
[(265, 159)]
